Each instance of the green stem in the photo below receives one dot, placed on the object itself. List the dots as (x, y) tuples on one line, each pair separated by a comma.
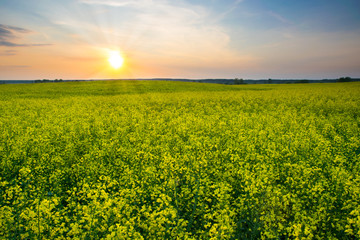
[(38, 213)]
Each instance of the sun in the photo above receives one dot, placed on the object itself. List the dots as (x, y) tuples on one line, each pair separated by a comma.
[(115, 59)]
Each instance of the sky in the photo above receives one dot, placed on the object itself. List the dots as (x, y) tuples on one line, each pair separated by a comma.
[(250, 39)]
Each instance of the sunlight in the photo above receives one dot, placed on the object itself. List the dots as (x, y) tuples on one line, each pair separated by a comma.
[(115, 59)]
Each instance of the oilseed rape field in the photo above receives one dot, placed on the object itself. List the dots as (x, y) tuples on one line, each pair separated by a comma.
[(177, 160)]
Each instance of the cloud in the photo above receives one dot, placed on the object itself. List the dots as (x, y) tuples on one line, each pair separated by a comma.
[(8, 53), (13, 66), (171, 9), (9, 35), (171, 33), (279, 17), (229, 10), (114, 3), (12, 44), (9, 32), (123, 3)]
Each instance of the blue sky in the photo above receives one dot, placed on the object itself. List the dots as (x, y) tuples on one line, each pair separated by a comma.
[(180, 38)]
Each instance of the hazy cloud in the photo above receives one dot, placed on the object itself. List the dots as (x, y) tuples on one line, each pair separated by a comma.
[(12, 44), (8, 53), (9, 32), (14, 66), (9, 35), (279, 17), (173, 32), (120, 3), (232, 7)]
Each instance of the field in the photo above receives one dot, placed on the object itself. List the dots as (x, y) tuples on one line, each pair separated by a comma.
[(174, 160)]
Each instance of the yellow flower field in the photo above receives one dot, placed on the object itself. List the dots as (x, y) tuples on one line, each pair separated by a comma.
[(175, 160)]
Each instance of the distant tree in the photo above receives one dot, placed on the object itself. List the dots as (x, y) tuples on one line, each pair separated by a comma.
[(303, 81), (269, 81), (238, 81), (344, 79)]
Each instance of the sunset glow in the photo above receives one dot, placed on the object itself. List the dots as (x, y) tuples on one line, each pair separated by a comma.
[(179, 39), (115, 59)]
